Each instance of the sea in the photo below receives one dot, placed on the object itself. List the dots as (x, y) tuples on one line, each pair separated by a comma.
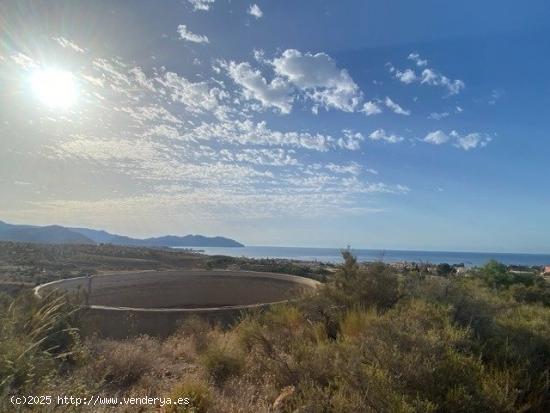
[(333, 255)]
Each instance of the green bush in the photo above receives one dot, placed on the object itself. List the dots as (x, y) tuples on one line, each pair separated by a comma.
[(198, 393), (221, 363), (375, 285), (37, 336)]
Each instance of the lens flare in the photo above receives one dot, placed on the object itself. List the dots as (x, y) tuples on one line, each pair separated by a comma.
[(54, 87)]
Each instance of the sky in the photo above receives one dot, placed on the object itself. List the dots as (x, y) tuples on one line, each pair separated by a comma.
[(394, 125)]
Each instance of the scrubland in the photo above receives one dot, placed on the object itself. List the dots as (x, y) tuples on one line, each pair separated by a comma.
[(371, 340)]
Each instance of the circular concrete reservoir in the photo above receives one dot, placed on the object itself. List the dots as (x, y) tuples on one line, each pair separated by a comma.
[(155, 302)]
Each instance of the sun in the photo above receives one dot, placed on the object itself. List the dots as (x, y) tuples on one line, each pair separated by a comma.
[(55, 88)]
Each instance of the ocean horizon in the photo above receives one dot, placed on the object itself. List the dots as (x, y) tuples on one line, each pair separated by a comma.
[(333, 255)]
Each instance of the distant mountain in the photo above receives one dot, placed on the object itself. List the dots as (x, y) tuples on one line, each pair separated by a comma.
[(55, 234), (100, 236), (192, 241), (104, 237), (52, 234)]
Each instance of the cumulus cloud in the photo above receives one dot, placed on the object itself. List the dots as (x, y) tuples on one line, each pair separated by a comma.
[(203, 5), (437, 137), (382, 135), (471, 140), (428, 76), (371, 108), (395, 107), (350, 140), (254, 10), (277, 93), (297, 75), (185, 34), (416, 58), (319, 77), (407, 76), (465, 142), (433, 78), (160, 134)]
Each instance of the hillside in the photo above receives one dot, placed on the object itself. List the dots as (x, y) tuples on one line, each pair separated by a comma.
[(52, 234), (100, 236), (56, 234)]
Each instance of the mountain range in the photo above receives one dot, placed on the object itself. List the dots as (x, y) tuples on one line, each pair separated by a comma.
[(56, 234)]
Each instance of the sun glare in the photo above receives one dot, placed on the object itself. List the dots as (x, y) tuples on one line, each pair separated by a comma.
[(54, 87)]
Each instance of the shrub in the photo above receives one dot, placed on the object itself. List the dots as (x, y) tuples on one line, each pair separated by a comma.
[(123, 363), (221, 363), (376, 285), (197, 328), (36, 337), (443, 270), (198, 393)]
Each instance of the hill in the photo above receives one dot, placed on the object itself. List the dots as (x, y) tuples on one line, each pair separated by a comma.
[(51, 234), (56, 234), (100, 236)]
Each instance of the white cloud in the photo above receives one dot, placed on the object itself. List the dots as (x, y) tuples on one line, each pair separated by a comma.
[(416, 58), (319, 77), (191, 37), (371, 108), (471, 140), (396, 108), (152, 112), (438, 115), (157, 137), (277, 93), (433, 78), (351, 140), (65, 43), (142, 79), (248, 132), (437, 137), (352, 168), (259, 55), (297, 75), (428, 76), (254, 10), (113, 71), (196, 96), (408, 76), (271, 157), (465, 142), (380, 134), (203, 5), (135, 151), (24, 61), (496, 94)]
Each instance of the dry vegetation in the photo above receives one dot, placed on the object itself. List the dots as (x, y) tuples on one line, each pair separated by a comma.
[(370, 341), (24, 265)]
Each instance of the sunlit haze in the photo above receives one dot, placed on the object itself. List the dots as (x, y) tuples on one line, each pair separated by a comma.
[(53, 87), (314, 123)]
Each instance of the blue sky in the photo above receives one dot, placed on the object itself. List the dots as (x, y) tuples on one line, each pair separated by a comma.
[(405, 125)]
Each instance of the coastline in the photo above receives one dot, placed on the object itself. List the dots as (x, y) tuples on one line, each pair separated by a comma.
[(333, 256)]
